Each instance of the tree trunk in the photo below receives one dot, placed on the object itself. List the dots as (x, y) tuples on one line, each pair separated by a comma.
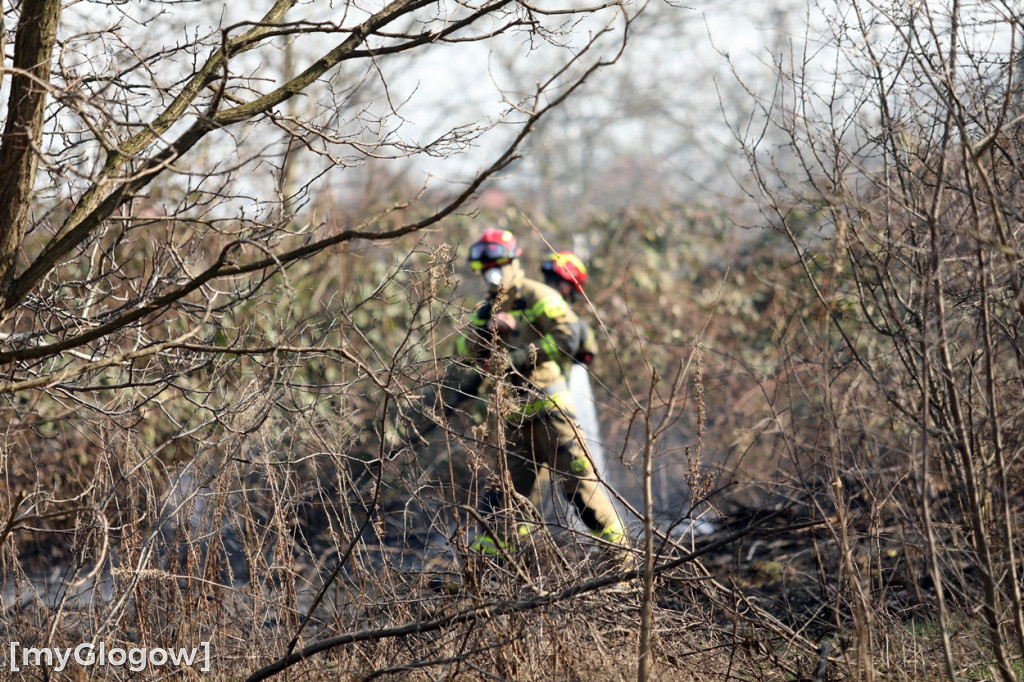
[(19, 151)]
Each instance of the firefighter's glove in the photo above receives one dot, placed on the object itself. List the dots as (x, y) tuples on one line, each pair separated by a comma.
[(497, 331), (584, 358), (503, 325)]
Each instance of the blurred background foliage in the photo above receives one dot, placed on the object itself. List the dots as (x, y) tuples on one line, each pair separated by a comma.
[(356, 331)]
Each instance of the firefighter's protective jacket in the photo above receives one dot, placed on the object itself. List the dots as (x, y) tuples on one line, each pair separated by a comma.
[(530, 358)]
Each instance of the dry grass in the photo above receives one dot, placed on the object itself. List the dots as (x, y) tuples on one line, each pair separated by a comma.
[(253, 504)]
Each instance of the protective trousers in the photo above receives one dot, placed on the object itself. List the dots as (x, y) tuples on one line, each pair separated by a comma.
[(550, 438)]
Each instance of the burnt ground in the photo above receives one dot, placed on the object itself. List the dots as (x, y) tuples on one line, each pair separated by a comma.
[(782, 573), (766, 575), (796, 566)]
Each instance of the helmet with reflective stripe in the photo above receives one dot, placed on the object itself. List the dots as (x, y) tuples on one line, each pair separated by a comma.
[(566, 266), (494, 248)]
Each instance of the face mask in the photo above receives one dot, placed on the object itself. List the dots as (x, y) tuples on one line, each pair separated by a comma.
[(493, 276)]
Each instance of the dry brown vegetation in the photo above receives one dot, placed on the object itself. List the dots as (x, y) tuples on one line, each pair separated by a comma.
[(290, 542), (204, 438)]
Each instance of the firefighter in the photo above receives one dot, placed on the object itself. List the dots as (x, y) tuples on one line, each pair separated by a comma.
[(519, 337), (565, 273)]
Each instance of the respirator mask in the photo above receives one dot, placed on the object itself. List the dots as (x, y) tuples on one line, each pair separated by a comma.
[(493, 277)]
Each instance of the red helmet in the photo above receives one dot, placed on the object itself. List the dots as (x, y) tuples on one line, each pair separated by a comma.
[(566, 266), (495, 247)]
